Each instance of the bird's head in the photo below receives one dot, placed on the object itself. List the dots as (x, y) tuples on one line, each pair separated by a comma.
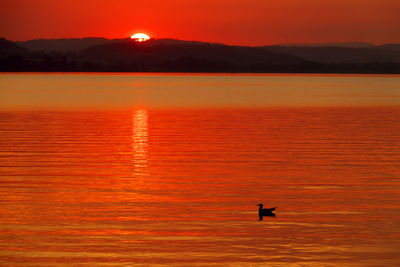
[(261, 205)]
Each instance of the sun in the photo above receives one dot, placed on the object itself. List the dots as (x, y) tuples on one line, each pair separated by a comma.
[(140, 37)]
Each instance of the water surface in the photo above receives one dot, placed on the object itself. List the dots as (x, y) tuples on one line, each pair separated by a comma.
[(170, 91), (150, 181)]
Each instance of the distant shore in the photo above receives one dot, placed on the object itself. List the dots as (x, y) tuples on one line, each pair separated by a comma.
[(176, 56)]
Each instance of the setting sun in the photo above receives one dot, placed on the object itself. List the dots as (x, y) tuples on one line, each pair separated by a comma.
[(140, 37)]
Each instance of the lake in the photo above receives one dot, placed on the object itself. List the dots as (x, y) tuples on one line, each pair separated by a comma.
[(167, 169)]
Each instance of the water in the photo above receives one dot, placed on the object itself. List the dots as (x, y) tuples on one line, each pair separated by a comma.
[(134, 178)]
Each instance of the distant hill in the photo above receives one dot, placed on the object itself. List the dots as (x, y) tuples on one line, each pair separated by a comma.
[(337, 44), (8, 48), (12, 56), (63, 45), (340, 52), (167, 41), (77, 45), (333, 54), (170, 55), (182, 55), (392, 47)]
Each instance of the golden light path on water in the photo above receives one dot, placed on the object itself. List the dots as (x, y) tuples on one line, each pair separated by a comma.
[(139, 141)]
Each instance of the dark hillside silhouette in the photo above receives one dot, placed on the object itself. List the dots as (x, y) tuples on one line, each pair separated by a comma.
[(332, 54), (79, 44), (63, 45), (8, 48), (187, 56), (391, 47), (337, 44), (12, 56), (169, 55)]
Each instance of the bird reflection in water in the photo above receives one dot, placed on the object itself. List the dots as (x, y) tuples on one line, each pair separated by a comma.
[(265, 212), (140, 141)]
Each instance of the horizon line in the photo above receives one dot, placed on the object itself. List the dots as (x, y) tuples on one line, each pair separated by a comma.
[(214, 42)]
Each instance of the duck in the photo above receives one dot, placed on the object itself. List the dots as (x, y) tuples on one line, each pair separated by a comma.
[(265, 212)]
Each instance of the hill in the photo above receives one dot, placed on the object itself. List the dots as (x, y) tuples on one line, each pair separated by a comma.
[(337, 44), (170, 55), (342, 54), (79, 44), (161, 55), (63, 45), (8, 48)]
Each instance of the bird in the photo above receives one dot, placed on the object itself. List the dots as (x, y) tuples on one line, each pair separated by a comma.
[(265, 212)]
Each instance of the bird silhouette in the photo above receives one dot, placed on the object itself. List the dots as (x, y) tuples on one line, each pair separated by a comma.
[(265, 212)]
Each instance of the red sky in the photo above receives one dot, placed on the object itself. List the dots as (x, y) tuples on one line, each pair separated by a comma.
[(245, 22)]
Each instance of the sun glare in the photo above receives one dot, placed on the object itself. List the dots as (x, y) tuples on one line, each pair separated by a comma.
[(140, 37)]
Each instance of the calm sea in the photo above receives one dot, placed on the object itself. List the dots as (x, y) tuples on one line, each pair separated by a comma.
[(161, 169)]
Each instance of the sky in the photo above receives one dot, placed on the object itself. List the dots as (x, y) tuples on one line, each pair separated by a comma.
[(239, 22)]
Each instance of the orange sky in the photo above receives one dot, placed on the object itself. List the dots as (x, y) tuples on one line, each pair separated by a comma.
[(245, 22)]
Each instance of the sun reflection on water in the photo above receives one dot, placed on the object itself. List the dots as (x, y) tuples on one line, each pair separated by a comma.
[(140, 141)]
